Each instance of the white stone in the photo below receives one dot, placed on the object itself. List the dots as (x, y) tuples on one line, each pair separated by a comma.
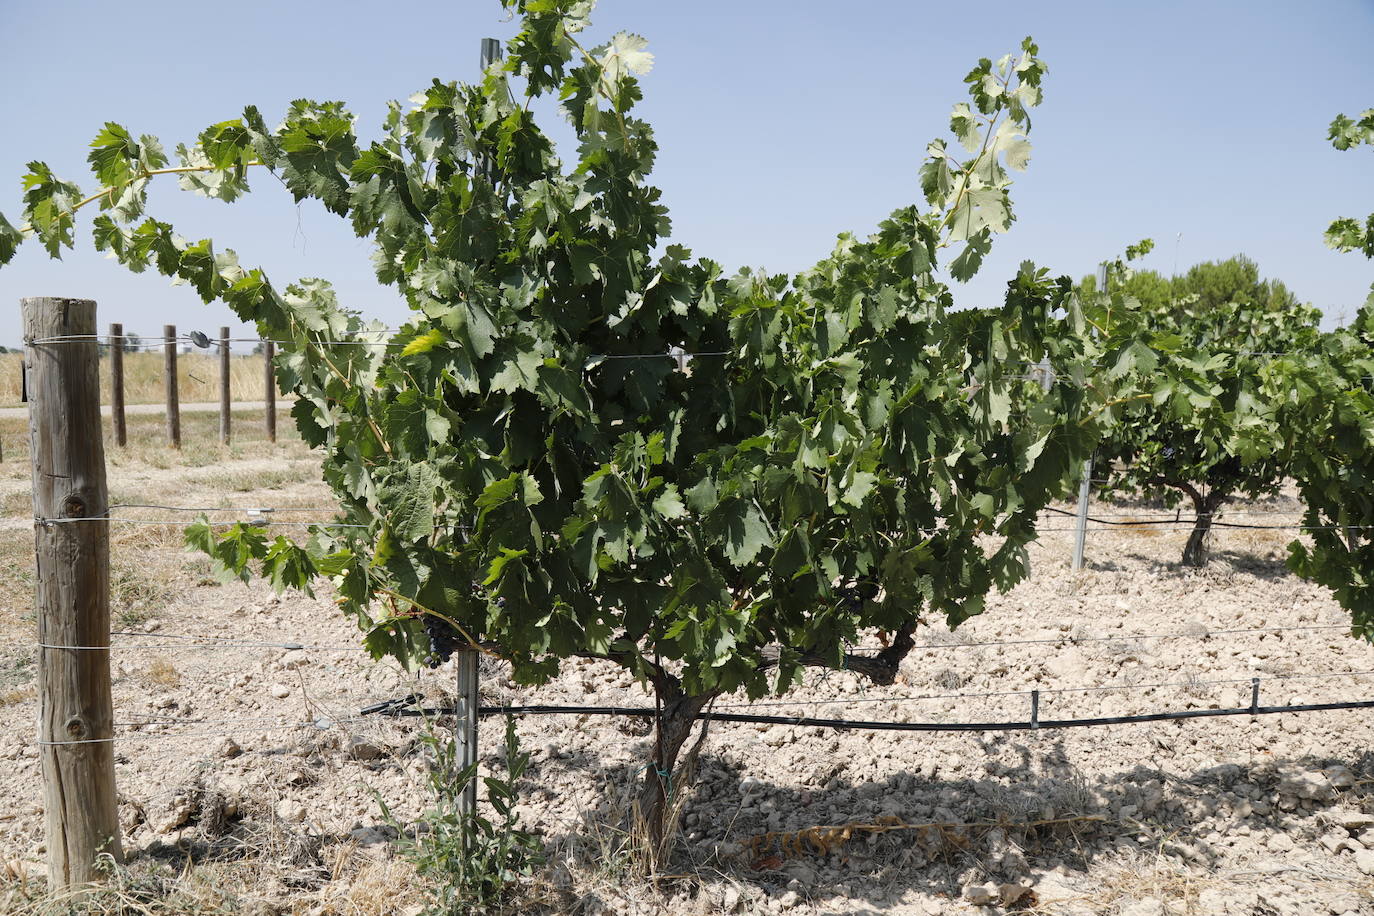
[(1346, 902), (293, 812), (178, 813), (1147, 906), (1339, 776), (1351, 820), (1280, 842), (1010, 893), (281, 691), (1066, 664), (1312, 784), (293, 659), (982, 894)]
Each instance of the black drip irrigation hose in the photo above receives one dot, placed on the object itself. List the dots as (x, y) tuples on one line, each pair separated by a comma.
[(395, 709), (1182, 522)]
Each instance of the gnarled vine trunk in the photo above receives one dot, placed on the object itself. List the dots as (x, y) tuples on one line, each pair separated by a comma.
[(663, 778), (668, 774), (1197, 551)]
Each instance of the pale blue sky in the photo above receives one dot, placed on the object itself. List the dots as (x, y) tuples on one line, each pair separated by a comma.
[(781, 124)]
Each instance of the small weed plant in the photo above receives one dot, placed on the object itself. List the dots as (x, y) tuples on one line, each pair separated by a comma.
[(472, 864)]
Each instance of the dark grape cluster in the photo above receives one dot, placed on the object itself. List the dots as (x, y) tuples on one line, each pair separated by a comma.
[(443, 640), (852, 597)]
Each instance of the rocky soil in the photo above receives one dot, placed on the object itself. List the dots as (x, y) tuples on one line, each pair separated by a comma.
[(1238, 815)]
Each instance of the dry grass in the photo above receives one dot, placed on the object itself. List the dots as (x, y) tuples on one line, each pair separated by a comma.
[(197, 378), (162, 673), (148, 564), (16, 675), (16, 695), (135, 594), (257, 882), (1183, 890), (16, 583), (1137, 527), (147, 443)]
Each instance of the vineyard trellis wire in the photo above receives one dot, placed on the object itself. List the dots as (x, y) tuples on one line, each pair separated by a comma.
[(400, 709), (408, 706)]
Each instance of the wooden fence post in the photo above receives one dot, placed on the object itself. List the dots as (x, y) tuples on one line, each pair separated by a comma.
[(121, 432), (224, 398), (72, 595), (169, 371), (269, 352)]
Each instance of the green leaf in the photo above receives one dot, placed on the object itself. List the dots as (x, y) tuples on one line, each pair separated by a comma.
[(861, 484), (286, 565), (702, 496), (977, 210), (746, 533), (114, 155), (423, 343), (971, 257), (410, 503), (10, 240), (669, 503), (626, 54), (1018, 153), (49, 207)]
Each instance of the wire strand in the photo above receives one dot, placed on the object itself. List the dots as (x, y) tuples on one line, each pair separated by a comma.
[(225, 508), (226, 642), (176, 522), (1097, 688), (216, 646)]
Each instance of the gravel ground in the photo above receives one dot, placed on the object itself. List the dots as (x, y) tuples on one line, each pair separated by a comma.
[(1238, 815)]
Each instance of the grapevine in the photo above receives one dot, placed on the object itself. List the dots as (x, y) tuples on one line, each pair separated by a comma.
[(1219, 345), (590, 443)]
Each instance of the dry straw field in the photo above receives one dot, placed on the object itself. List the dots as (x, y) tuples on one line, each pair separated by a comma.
[(197, 377)]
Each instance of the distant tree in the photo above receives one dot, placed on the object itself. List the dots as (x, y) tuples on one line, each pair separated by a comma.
[(1210, 288)]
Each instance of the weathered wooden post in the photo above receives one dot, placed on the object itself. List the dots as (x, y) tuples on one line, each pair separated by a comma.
[(269, 352), (224, 399), (169, 371), (72, 599), (121, 432)]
